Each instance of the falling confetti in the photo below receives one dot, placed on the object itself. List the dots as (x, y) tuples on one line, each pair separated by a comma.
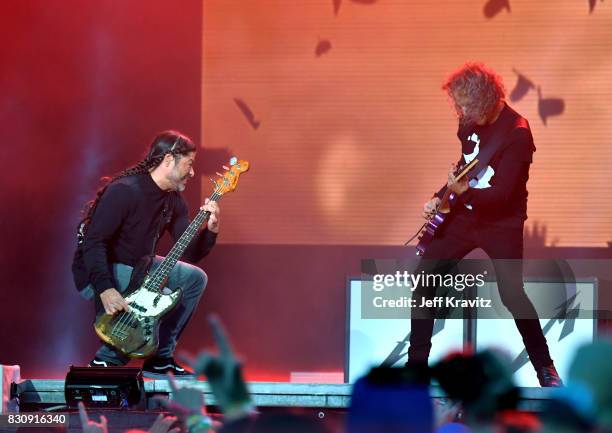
[(322, 47), (522, 87), (247, 112), (592, 4), (548, 107), (493, 7), (337, 4)]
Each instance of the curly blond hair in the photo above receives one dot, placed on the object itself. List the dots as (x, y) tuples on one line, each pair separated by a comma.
[(480, 88)]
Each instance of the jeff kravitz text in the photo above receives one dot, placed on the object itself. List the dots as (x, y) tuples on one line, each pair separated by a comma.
[(437, 302)]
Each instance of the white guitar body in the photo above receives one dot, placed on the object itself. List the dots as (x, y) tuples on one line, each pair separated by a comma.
[(136, 333)]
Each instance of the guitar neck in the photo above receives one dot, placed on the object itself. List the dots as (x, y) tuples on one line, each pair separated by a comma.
[(177, 251), (459, 174), (463, 171)]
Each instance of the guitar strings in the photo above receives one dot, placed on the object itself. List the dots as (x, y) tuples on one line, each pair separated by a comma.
[(130, 317), (120, 325), (156, 278)]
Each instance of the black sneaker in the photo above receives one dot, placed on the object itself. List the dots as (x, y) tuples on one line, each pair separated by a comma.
[(549, 377), (97, 362), (158, 368)]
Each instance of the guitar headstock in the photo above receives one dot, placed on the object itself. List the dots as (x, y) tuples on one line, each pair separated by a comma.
[(228, 181)]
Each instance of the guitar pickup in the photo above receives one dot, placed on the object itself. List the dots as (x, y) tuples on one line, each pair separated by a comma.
[(138, 308)]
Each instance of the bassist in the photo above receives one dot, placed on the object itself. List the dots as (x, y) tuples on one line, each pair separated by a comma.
[(122, 225)]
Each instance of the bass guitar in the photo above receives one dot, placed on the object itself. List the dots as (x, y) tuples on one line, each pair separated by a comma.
[(136, 333)]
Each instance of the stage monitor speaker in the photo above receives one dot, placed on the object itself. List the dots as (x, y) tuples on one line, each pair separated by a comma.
[(105, 387)]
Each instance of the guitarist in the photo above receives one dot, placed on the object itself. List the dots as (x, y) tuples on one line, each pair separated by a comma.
[(489, 211), (122, 224)]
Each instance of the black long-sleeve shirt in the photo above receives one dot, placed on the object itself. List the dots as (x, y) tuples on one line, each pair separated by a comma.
[(125, 223), (505, 200)]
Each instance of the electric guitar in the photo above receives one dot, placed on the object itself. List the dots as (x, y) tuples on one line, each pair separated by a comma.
[(429, 229), (136, 333)]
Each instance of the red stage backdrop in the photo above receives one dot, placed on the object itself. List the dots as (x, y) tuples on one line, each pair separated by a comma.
[(85, 87)]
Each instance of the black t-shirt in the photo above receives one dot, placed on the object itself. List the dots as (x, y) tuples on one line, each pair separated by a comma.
[(499, 196), (125, 223)]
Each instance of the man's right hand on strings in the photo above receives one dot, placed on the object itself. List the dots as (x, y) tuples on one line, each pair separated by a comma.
[(113, 302), (430, 208), (457, 186)]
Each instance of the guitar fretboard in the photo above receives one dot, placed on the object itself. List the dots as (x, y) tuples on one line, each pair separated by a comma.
[(166, 266)]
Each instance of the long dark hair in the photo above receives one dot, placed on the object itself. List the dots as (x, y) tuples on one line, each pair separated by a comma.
[(166, 142)]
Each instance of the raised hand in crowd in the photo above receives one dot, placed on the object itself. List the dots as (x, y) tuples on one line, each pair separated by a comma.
[(163, 424), (90, 426), (187, 403), (224, 374)]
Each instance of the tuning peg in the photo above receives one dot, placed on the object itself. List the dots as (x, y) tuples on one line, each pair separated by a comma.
[(218, 174), (213, 181), (233, 161), (225, 167)]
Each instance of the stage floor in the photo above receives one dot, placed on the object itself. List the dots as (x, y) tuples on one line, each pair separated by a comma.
[(265, 394)]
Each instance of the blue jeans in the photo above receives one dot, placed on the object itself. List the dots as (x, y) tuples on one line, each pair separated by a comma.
[(190, 278)]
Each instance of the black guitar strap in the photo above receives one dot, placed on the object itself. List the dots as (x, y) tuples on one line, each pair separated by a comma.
[(494, 146), (164, 220)]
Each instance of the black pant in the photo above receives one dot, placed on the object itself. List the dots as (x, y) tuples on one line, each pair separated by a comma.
[(460, 235)]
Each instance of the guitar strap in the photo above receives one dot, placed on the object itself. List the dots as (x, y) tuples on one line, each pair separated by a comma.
[(494, 146), (164, 220)]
